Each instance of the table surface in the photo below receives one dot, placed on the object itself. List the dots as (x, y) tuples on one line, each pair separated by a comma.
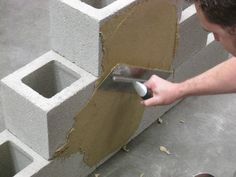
[(200, 133)]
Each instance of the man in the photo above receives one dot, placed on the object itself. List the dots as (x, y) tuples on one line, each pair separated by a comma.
[(218, 17)]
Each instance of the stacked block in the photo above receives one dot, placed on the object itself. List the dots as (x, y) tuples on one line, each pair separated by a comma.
[(78, 27), (17, 159), (41, 99)]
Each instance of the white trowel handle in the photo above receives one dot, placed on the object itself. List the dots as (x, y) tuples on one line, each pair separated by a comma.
[(142, 90)]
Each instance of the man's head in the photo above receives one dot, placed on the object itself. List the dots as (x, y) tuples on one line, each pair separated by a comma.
[(219, 17)]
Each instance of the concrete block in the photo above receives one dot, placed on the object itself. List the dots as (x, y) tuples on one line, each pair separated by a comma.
[(41, 100), (72, 166), (75, 34), (75, 29), (192, 38), (17, 159)]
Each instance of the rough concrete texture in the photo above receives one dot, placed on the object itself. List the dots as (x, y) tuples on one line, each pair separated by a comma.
[(17, 159), (24, 35), (73, 166), (40, 104), (143, 34), (75, 29), (189, 28), (75, 35)]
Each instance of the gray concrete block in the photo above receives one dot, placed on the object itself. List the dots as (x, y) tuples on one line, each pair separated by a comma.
[(17, 159), (41, 100), (72, 166), (192, 38), (75, 29), (74, 34)]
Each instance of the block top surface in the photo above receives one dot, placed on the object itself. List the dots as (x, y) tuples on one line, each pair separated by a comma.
[(98, 9), (48, 81)]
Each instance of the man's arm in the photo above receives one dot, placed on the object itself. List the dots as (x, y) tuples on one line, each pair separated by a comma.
[(220, 79)]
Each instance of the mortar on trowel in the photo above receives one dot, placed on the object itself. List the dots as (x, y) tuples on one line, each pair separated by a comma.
[(127, 78)]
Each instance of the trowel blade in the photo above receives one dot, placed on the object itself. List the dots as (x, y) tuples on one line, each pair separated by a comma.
[(122, 76)]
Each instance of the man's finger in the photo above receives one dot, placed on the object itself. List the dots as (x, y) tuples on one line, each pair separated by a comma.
[(148, 83), (151, 101)]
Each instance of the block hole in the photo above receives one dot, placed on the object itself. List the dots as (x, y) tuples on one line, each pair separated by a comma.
[(204, 175), (98, 4), (50, 79), (13, 159)]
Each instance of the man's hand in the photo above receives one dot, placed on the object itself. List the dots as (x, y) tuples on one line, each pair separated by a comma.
[(164, 92)]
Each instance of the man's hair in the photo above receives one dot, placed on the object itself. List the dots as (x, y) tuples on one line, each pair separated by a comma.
[(221, 12)]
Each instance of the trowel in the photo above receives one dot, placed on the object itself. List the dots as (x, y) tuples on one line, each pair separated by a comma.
[(122, 77)]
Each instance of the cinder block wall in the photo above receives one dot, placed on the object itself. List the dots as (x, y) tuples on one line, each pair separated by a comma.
[(74, 165)]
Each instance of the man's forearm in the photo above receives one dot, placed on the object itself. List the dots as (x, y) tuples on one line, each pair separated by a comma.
[(220, 79)]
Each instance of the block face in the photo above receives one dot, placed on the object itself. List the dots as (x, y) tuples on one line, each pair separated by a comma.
[(138, 33), (39, 121), (75, 35), (67, 111), (25, 119), (73, 166)]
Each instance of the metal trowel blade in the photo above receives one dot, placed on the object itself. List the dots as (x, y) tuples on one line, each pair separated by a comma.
[(122, 76)]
